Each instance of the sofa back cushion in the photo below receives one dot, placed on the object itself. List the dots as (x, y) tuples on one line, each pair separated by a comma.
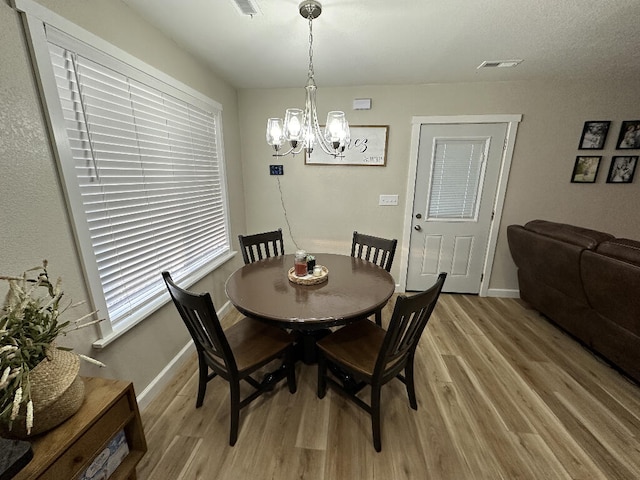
[(622, 249), (582, 237), (611, 277)]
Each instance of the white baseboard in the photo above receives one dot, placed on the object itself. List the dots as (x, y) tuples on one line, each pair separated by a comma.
[(503, 293), (165, 376), (167, 373)]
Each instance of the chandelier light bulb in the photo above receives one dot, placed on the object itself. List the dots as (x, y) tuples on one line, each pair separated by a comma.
[(275, 132), (293, 124), (335, 128)]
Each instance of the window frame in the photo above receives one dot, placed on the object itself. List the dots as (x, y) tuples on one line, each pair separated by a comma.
[(35, 19)]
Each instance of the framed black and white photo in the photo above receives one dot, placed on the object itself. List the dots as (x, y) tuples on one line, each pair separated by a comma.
[(368, 146), (585, 170), (622, 169), (629, 137), (594, 133)]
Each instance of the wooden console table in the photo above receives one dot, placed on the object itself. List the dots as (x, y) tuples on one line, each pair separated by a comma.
[(66, 451)]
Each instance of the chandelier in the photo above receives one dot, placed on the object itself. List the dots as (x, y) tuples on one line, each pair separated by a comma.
[(300, 128)]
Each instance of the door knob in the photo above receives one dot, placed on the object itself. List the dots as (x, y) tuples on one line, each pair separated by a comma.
[(418, 228), (418, 215)]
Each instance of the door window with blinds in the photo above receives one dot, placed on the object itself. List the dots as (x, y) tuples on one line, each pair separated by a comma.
[(456, 179), (142, 163)]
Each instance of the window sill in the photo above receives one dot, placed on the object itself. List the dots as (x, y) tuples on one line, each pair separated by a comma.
[(143, 313)]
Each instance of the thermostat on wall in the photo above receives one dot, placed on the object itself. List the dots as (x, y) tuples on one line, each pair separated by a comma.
[(362, 104)]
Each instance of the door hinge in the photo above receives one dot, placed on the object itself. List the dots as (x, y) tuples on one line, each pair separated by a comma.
[(493, 214), (481, 277)]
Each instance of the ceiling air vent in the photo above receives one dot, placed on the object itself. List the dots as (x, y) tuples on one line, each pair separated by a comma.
[(247, 7), (499, 64)]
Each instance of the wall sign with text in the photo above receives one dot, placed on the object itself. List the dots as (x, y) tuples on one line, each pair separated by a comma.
[(368, 146)]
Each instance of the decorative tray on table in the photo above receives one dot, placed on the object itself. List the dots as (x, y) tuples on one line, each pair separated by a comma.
[(308, 279)]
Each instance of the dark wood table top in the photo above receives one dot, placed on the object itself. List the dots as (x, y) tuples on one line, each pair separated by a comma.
[(355, 289)]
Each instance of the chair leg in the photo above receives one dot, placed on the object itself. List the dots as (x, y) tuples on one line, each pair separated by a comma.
[(203, 372), (375, 416), (291, 370), (322, 373), (411, 388), (379, 318), (235, 411)]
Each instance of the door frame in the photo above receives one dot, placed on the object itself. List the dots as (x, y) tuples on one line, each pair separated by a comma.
[(512, 122)]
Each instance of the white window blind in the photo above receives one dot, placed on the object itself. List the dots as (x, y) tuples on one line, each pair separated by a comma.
[(456, 179), (147, 164)]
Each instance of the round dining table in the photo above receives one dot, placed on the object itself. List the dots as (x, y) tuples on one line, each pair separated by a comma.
[(354, 289)]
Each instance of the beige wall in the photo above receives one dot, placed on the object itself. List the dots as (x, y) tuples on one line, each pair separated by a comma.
[(326, 203), (33, 217)]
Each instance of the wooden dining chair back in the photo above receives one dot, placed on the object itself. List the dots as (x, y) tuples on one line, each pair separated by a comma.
[(233, 354), (376, 250), (261, 245), (364, 352)]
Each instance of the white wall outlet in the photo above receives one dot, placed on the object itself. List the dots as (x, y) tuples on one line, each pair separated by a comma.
[(388, 200)]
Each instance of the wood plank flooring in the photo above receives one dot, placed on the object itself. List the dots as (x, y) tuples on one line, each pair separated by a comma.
[(502, 394)]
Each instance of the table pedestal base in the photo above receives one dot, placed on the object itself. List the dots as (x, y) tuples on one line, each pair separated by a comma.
[(306, 349), (349, 383), (270, 379)]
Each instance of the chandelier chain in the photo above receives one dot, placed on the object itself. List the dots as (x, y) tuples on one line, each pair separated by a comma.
[(311, 73)]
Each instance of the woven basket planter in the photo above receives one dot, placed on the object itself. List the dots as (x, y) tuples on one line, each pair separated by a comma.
[(57, 393)]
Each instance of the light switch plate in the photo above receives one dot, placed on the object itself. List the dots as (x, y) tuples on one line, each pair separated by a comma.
[(388, 200)]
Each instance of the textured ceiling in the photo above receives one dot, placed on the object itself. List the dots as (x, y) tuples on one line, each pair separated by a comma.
[(391, 42)]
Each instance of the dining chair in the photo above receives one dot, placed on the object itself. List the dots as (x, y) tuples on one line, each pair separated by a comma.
[(366, 353), (261, 245), (377, 250), (233, 354)]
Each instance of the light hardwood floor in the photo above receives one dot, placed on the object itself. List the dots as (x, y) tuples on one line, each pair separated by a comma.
[(502, 394)]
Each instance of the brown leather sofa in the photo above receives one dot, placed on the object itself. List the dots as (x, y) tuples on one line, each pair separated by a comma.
[(585, 281)]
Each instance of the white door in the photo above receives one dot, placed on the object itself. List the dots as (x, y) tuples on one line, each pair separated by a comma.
[(455, 191)]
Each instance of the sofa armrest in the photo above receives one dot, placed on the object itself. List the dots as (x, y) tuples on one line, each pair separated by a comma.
[(547, 262)]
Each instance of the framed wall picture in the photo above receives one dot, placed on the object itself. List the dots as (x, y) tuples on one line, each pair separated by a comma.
[(629, 136), (594, 133), (585, 170), (368, 146), (622, 169)]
